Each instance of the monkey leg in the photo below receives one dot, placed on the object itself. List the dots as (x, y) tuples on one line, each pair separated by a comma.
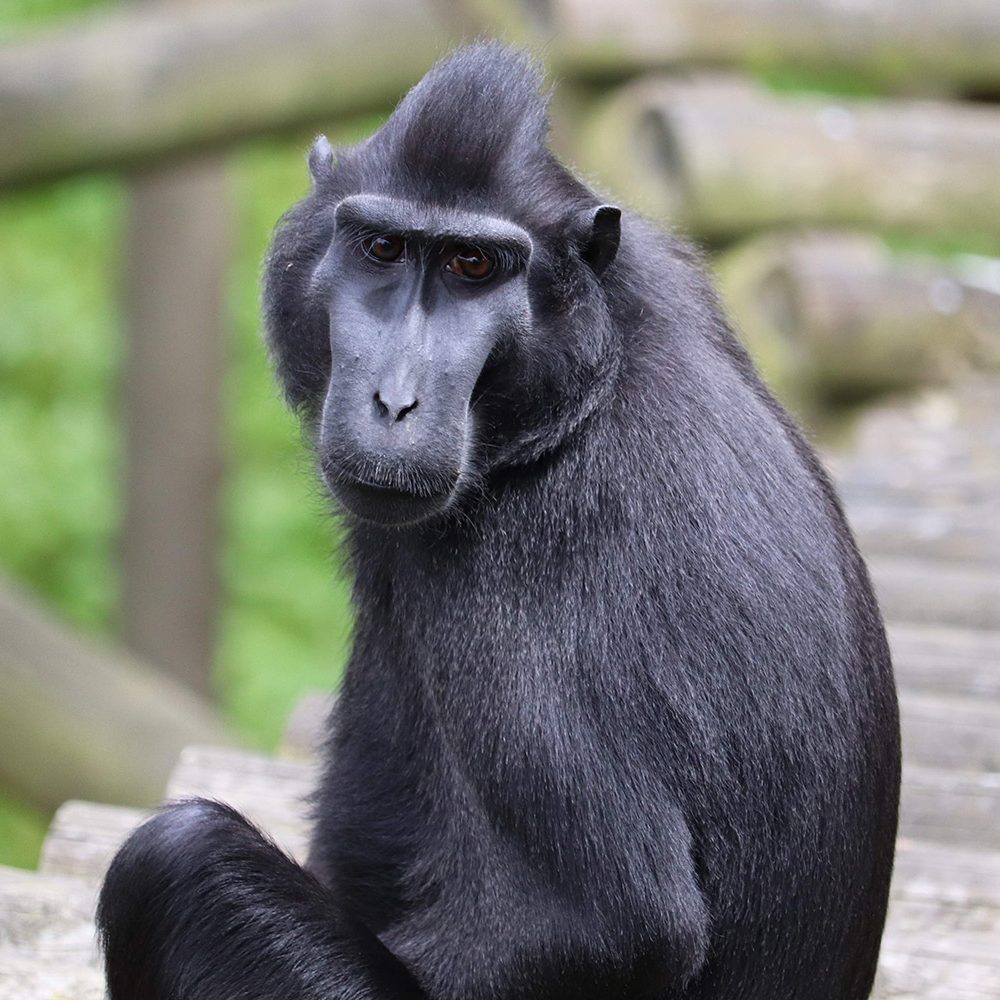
[(198, 905)]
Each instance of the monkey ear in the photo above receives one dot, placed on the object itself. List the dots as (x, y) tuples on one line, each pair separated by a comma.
[(603, 231), (321, 159)]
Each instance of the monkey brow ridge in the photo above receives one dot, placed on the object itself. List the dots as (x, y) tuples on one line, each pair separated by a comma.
[(379, 213)]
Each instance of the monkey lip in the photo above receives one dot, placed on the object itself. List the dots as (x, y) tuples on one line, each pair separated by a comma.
[(388, 505)]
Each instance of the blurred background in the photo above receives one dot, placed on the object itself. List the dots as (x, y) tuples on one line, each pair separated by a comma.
[(168, 566)]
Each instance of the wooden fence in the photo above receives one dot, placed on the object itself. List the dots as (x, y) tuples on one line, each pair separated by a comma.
[(161, 90)]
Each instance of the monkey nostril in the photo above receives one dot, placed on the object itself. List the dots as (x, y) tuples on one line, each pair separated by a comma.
[(409, 408), (393, 410)]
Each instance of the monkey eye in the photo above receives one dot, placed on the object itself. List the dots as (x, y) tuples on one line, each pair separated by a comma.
[(470, 263), (387, 249)]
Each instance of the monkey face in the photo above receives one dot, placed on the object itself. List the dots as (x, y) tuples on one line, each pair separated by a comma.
[(421, 302)]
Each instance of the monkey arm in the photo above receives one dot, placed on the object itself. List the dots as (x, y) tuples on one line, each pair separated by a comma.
[(198, 905), (635, 925)]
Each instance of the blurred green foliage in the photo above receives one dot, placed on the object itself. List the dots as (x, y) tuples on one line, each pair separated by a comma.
[(285, 616)]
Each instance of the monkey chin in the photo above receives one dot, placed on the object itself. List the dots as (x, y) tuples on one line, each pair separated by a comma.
[(389, 507)]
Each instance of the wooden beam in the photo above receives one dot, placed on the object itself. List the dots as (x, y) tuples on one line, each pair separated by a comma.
[(839, 316), (81, 719), (175, 282), (138, 84), (719, 157), (894, 43)]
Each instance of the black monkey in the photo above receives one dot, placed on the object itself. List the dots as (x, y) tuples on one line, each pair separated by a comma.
[(619, 720)]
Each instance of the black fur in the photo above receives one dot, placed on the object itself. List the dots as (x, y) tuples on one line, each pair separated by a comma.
[(620, 721)]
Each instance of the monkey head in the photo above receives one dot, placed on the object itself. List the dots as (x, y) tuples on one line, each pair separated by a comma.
[(433, 305)]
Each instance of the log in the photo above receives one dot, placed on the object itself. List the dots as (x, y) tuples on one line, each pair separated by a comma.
[(893, 43), (720, 157), (132, 85), (838, 316), (80, 718)]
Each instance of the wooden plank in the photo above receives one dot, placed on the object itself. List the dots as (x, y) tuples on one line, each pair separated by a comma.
[(959, 876), (84, 836), (944, 918), (38, 977), (950, 806), (926, 532), (271, 792), (950, 731), (936, 966), (957, 809), (47, 945), (947, 660), (938, 591)]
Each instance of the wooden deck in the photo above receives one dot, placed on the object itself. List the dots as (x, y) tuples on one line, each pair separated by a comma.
[(922, 487)]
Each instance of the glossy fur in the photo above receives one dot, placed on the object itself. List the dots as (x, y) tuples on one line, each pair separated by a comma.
[(619, 722)]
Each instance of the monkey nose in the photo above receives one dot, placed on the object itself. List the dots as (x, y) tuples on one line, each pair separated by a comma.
[(394, 407)]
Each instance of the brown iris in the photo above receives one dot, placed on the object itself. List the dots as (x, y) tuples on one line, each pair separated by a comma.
[(384, 248), (470, 263)]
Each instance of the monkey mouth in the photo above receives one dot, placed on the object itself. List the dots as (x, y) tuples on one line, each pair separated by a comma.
[(391, 497)]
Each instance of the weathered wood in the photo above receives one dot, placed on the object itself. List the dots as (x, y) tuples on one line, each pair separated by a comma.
[(84, 836), (951, 731), (894, 42), (960, 876), (922, 478), (837, 315), (927, 531), (132, 85), (943, 674), (176, 272), (945, 908), (701, 154), (47, 945), (945, 593), (81, 718), (946, 660), (271, 792), (951, 807), (914, 968)]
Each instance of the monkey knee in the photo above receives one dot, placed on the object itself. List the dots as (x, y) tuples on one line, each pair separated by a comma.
[(167, 852)]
